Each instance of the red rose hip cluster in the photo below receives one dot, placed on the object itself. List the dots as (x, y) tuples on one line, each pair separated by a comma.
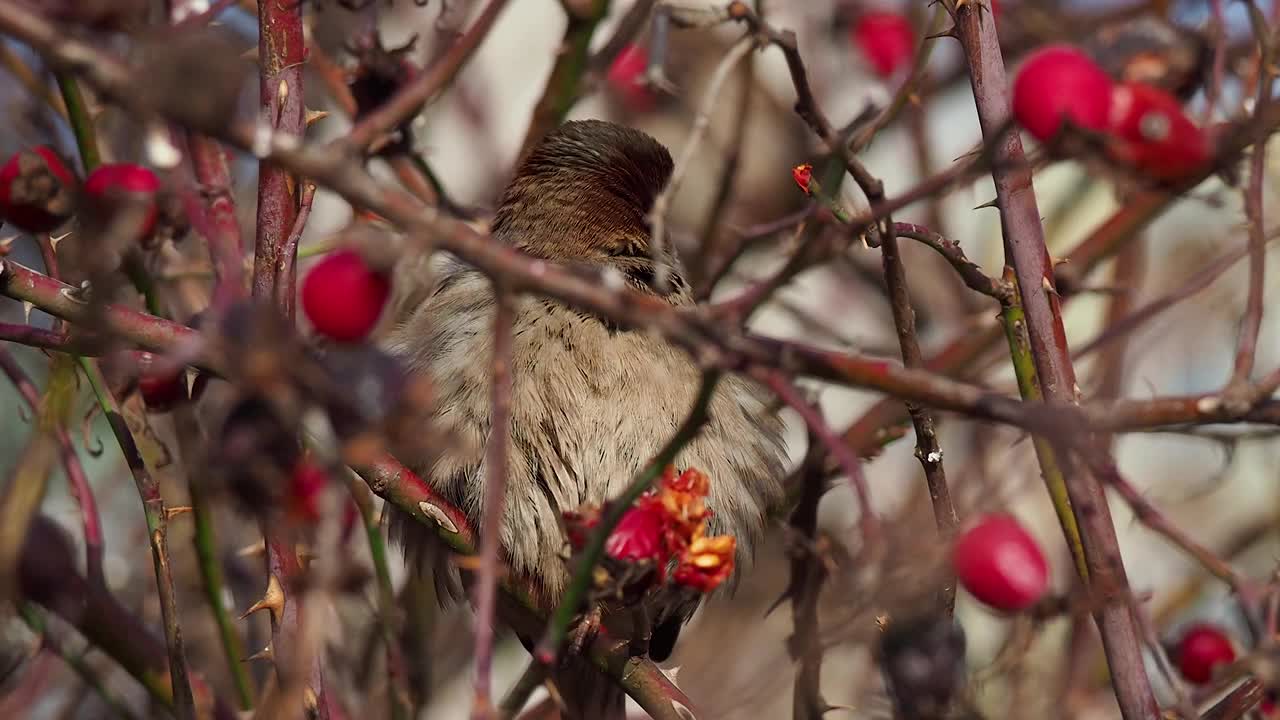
[(1142, 126)]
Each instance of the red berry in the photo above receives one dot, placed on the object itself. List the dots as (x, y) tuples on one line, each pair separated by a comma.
[(627, 78), (1060, 82), (343, 297), (306, 483), (886, 40), (638, 536), (36, 190), (1151, 132), (999, 563), (108, 186), (161, 391), (1202, 648)]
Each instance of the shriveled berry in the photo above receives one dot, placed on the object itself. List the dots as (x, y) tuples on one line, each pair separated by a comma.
[(160, 390), (626, 77), (37, 191), (1150, 132), (1202, 648), (1000, 564), (1059, 83), (922, 660), (110, 187), (885, 39), (343, 297)]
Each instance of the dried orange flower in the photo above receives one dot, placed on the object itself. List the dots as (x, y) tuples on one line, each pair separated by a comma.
[(668, 522), (707, 562)]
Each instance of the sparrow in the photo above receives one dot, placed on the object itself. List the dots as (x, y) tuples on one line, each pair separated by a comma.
[(592, 402)]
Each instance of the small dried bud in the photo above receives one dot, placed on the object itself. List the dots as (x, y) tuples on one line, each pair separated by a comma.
[(803, 175)]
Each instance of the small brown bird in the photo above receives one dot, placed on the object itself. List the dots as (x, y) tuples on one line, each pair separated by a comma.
[(591, 403)]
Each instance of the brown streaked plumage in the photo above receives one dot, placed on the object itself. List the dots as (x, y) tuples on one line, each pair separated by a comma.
[(591, 404)]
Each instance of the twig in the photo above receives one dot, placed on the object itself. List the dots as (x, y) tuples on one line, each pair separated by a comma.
[(190, 438), (78, 481), (1014, 321), (28, 480), (49, 578), (723, 347), (1027, 253), (624, 33), (807, 103), (838, 449), (36, 620), (398, 692), (808, 573), (216, 216), (410, 99), (81, 121), (286, 287), (154, 509), (32, 336), (909, 87), (1238, 702), (1198, 282), (564, 85), (1148, 514), (281, 55), (495, 491), (928, 449), (969, 271), (701, 123), (529, 680), (1251, 324), (718, 245), (14, 65)]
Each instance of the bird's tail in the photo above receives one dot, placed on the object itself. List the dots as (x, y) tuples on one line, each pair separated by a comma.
[(587, 694)]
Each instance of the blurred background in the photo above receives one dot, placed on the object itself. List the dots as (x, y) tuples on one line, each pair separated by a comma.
[(1218, 484)]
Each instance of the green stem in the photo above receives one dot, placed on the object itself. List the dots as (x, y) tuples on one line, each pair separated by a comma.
[(398, 693), (136, 270), (564, 87), (1024, 368), (594, 550), (81, 122), (215, 591), (154, 510)]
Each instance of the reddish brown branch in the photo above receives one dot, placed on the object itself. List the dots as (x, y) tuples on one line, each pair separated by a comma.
[(1027, 253), (495, 491), (281, 54), (217, 216)]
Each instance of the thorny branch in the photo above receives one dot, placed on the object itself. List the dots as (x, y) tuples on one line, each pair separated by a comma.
[(717, 348)]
